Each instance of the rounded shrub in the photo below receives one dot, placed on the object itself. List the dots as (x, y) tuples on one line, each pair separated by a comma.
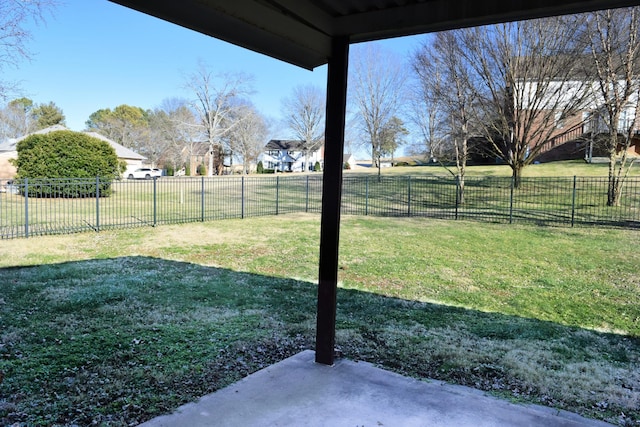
[(260, 167), (66, 164), (201, 170), (317, 167)]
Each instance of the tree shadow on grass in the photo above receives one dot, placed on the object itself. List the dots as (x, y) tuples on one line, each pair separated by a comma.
[(119, 341)]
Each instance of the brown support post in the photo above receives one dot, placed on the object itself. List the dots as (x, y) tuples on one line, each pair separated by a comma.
[(331, 197)]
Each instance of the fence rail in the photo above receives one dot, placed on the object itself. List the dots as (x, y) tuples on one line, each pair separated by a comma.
[(40, 207)]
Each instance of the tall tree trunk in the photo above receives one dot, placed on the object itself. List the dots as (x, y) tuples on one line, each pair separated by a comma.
[(516, 170), (463, 172), (461, 164), (373, 156), (614, 183), (210, 165)]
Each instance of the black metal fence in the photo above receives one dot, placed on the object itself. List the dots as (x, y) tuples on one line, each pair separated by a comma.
[(30, 208)]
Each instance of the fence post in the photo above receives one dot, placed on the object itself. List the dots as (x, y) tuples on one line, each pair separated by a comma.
[(573, 203), (306, 205), (26, 207), (242, 198), (202, 198), (97, 203), (511, 200), (277, 194), (155, 201), (366, 195), (409, 196), (457, 195)]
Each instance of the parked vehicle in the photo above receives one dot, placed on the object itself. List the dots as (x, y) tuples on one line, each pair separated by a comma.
[(10, 188), (145, 173)]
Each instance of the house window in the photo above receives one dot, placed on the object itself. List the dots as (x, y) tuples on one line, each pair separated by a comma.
[(586, 121), (626, 119), (559, 120)]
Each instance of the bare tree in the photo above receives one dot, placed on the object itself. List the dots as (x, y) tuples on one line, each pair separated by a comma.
[(426, 112), (16, 119), (162, 147), (15, 34), (445, 80), (377, 84), (247, 138), (303, 113), (528, 81), (426, 116), (21, 117), (613, 43), (178, 126), (214, 105), (164, 132)]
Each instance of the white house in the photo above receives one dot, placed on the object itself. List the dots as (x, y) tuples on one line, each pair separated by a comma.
[(289, 156), (348, 161), (8, 151)]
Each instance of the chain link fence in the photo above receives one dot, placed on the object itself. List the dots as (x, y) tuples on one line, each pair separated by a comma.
[(56, 206)]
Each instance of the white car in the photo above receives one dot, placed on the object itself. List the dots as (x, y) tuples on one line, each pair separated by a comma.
[(145, 173), (10, 188)]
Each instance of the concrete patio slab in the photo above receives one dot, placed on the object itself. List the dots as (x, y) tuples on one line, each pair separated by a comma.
[(299, 392)]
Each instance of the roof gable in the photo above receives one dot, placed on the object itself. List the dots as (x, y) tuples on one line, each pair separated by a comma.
[(121, 151), (8, 145), (285, 145)]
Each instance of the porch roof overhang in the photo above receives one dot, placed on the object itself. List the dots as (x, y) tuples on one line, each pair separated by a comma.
[(300, 32), (310, 33)]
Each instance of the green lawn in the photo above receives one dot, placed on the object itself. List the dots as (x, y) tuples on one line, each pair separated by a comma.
[(116, 327), (552, 169)]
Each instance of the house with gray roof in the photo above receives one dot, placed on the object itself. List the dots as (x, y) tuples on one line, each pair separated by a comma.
[(8, 151)]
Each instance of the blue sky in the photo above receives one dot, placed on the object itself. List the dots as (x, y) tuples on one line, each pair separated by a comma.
[(94, 54)]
